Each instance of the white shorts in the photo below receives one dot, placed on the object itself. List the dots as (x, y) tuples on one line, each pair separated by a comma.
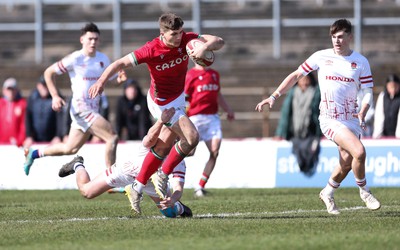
[(83, 120), (120, 175), (178, 104), (209, 126), (331, 127)]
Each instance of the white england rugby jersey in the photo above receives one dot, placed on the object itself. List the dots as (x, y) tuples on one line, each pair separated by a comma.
[(340, 78), (83, 71)]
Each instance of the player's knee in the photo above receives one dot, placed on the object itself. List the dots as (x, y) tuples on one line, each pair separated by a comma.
[(113, 141), (86, 193), (359, 154), (214, 154), (70, 151), (193, 138)]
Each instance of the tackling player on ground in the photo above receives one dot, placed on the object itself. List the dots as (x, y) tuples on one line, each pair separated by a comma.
[(342, 72), (125, 174)]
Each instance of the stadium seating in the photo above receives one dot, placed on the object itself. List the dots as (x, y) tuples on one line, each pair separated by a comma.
[(245, 62)]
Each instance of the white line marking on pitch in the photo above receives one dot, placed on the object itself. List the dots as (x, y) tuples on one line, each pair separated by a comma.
[(227, 215)]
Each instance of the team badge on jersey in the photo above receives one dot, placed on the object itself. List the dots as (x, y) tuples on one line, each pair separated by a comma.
[(353, 65), (328, 62), (102, 64)]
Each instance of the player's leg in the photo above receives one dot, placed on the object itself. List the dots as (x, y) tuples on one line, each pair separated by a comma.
[(213, 147), (91, 189), (188, 140), (103, 129), (349, 142), (88, 189), (76, 139), (338, 175)]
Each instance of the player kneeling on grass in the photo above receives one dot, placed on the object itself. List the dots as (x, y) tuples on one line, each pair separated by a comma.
[(125, 174)]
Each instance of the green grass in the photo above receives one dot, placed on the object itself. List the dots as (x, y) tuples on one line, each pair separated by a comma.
[(227, 219)]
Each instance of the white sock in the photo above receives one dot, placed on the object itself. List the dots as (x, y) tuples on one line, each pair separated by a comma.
[(331, 187), (138, 186), (78, 165)]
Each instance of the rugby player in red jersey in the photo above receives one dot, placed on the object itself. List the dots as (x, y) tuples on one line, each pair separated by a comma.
[(167, 62)]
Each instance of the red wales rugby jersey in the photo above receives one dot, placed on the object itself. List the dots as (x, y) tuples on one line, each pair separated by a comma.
[(167, 67), (201, 89)]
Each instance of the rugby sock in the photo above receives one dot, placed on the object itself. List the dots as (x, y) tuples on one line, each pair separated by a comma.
[(174, 157), (77, 166), (150, 165), (362, 183), (331, 187), (35, 154), (138, 186), (203, 180)]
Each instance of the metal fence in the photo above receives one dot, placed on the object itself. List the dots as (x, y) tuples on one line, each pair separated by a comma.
[(197, 23)]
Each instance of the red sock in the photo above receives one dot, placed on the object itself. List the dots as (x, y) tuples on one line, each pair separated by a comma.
[(150, 165), (174, 157), (203, 180)]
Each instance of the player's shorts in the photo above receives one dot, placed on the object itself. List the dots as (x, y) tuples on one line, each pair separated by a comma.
[(120, 175), (209, 126), (83, 120), (178, 104), (330, 127)]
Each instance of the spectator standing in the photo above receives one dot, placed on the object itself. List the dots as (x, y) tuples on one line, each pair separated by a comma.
[(387, 117), (12, 113), (203, 93), (132, 115), (42, 122), (299, 123)]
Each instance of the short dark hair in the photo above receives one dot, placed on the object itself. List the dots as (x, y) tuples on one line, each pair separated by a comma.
[(89, 27), (393, 78), (339, 25), (170, 21)]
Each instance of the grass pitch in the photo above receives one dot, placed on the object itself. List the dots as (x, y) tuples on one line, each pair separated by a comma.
[(226, 219)]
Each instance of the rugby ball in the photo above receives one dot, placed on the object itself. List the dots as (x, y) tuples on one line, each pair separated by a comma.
[(208, 56)]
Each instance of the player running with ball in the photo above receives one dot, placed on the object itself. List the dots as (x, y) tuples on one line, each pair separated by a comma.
[(167, 61)]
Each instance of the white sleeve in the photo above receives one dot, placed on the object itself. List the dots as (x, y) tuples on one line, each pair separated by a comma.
[(379, 117)]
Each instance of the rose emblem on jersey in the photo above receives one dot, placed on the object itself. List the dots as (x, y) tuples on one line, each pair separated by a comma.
[(102, 64), (353, 65)]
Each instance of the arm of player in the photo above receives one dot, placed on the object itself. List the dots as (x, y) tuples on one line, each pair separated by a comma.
[(226, 107), (210, 43), (365, 104), (152, 135), (176, 195), (57, 102), (97, 88), (286, 84)]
